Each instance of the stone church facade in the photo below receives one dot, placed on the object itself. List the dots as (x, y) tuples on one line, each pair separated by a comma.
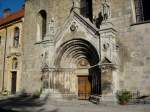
[(76, 48), (83, 47)]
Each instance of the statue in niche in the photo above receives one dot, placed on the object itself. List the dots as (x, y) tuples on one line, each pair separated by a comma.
[(106, 9), (104, 15)]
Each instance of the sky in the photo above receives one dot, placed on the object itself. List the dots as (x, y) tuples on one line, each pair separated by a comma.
[(14, 5)]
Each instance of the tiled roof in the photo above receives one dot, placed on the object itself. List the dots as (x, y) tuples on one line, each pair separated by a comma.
[(12, 17)]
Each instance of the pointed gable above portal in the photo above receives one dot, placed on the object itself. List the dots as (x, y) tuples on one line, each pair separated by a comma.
[(76, 26)]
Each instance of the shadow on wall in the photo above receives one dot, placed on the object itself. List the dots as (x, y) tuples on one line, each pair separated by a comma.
[(95, 74)]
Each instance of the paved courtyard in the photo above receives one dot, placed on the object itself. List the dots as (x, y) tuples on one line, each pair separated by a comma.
[(29, 104)]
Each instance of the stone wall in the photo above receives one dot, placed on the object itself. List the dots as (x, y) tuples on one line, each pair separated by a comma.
[(7, 34), (134, 48), (133, 42), (2, 46)]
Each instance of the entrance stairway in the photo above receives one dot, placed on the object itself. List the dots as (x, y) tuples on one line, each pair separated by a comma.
[(55, 97), (109, 98), (54, 94), (51, 94)]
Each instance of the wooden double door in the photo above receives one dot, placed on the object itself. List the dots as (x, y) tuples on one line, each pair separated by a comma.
[(84, 87)]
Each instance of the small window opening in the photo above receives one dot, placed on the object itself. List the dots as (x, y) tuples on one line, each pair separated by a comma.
[(42, 23), (16, 37)]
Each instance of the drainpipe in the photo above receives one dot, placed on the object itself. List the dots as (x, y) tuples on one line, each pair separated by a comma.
[(4, 61)]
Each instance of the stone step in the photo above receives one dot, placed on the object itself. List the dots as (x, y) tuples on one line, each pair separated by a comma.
[(109, 98), (51, 93)]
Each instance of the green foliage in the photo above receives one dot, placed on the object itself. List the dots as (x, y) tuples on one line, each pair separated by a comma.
[(123, 96)]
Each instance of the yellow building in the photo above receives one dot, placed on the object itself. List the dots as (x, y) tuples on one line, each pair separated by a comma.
[(11, 28)]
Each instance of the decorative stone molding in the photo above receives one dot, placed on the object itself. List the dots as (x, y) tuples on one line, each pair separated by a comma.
[(73, 27)]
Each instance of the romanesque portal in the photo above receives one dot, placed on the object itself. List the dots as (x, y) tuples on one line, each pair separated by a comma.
[(76, 70)]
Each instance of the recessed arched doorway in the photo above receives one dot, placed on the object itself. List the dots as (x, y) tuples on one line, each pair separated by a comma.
[(81, 58)]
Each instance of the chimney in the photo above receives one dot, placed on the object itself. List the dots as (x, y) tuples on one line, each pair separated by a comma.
[(23, 6), (6, 12)]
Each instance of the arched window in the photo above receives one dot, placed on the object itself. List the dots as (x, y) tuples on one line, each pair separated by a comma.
[(41, 24), (16, 37), (14, 63), (86, 8)]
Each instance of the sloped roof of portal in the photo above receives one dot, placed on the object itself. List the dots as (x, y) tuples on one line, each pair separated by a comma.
[(77, 17), (86, 22)]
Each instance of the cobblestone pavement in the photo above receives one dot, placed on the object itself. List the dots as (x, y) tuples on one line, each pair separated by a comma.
[(28, 104)]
